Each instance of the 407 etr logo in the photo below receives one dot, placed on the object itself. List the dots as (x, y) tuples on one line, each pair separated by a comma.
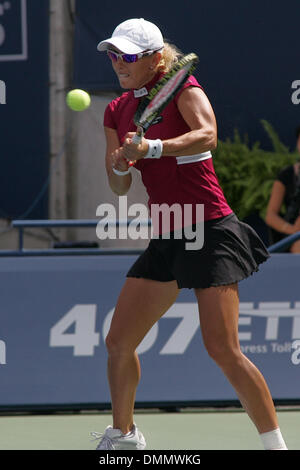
[(85, 337)]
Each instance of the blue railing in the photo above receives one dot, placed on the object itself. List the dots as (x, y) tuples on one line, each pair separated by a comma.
[(92, 223), (21, 225), (281, 246)]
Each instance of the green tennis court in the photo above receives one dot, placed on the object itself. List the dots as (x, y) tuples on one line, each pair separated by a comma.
[(188, 429)]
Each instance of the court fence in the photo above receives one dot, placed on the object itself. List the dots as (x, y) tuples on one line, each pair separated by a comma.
[(21, 225)]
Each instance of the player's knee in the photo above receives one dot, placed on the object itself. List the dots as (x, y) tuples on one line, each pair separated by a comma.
[(111, 342), (223, 354), (117, 344)]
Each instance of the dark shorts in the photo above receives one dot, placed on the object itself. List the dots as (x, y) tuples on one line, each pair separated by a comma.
[(232, 251)]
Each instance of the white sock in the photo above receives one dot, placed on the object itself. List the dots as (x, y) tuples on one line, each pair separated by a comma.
[(273, 440)]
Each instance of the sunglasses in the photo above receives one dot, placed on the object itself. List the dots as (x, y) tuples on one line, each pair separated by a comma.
[(128, 58)]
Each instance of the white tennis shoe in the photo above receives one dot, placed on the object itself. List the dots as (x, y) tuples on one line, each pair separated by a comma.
[(114, 439)]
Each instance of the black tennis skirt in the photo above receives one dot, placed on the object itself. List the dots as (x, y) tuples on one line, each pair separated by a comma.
[(231, 252)]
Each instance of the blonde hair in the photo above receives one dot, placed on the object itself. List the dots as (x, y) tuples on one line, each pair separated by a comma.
[(169, 56)]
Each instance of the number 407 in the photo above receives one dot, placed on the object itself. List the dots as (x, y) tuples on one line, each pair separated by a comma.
[(85, 338)]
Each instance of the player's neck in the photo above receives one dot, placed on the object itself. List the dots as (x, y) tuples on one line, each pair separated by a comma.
[(150, 81)]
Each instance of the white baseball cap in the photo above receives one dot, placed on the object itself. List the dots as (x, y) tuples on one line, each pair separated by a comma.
[(134, 36)]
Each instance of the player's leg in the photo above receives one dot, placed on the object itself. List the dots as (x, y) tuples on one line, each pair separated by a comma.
[(140, 305), (219, 311)]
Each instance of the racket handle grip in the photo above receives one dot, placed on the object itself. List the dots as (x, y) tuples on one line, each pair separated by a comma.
[(137, 138)]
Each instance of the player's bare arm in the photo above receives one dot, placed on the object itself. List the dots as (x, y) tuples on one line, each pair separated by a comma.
[(115, 159), (197, 112)]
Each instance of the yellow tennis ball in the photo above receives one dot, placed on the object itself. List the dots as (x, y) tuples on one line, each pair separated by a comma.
[(78, 100)]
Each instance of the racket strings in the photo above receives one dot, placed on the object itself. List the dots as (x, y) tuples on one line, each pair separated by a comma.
[(165, 92)]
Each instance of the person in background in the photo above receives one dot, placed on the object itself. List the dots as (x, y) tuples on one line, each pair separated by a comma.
[(285, 192)]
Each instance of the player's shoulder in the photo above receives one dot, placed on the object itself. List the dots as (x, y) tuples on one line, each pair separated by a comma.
[(190, 83), (286, 174), (120, 100), (113, 109)]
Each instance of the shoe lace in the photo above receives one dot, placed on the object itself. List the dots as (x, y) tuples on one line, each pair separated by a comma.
[(106, 441)]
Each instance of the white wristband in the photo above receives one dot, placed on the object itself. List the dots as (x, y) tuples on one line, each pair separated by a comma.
[(155, 148), (121, 173)]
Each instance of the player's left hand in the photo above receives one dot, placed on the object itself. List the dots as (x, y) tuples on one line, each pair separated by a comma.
[(132, 151)]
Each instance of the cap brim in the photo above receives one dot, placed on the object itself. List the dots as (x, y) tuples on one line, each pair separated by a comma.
[(120, 43)]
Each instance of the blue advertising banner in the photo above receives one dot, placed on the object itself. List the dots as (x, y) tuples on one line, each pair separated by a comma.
[(56, 312), (247, 67), (13, 31), (24, 108)]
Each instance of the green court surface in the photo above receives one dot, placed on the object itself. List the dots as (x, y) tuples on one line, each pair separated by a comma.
[(188, 429)]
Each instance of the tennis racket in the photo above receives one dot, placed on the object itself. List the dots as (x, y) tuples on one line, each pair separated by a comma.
[(162, 93)]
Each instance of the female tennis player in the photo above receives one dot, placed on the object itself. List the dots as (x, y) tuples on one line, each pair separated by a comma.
[(175, 162)]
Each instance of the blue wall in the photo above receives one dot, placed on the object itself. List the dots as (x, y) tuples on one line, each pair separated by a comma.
[(24, 119), (55, 314), (247, 49)]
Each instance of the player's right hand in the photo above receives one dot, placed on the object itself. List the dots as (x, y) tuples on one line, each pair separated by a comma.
[(118, 161)]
